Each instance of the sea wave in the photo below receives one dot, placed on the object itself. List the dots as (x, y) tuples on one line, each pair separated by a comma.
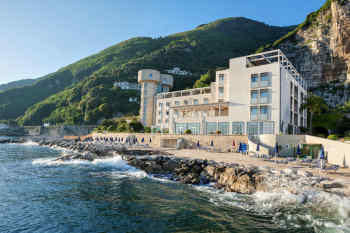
[(322, 211)]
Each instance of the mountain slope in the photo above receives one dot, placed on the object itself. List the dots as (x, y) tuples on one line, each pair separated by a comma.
[(17, 84), (207, 46), (320, 46)]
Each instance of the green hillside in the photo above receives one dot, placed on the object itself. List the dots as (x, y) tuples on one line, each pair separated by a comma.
[(16, 84), (83, 92)]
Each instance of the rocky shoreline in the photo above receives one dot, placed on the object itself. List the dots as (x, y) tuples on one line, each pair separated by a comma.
[(231, 177)]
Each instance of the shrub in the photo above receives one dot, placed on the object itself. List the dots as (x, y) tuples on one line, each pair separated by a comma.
[(112, 128), (218, 132), (188, 131), (333, 137), (135, 126), (347, 139), (147, 130), (165, 130)]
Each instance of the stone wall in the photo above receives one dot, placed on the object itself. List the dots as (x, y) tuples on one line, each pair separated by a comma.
[(59, 131), (221, 142), (338, 152)]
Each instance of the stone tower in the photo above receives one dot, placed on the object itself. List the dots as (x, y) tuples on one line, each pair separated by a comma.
[(152, 83), (149, 81)]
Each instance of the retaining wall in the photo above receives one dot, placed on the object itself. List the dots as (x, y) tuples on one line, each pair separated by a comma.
[(221, 142)]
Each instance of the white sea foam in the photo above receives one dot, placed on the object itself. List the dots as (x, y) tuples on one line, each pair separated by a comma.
[(325, 212), (30, 143)]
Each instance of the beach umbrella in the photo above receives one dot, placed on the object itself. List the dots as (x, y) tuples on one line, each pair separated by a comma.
[(142, 140), (211, 143), (150, 140), (198, 144), (322, 153), (233, 143), (276, 148), (298, 150), (240, 147), (258, 147)]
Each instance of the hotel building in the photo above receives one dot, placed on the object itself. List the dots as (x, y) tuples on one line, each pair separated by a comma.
[(257, 94)]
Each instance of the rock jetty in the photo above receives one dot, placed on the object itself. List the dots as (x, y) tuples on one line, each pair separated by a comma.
[(228, 176)]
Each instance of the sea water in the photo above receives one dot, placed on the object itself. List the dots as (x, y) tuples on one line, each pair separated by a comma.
[(38, 194)]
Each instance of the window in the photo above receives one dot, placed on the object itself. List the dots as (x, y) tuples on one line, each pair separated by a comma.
[(267, 127), (167, 113), (165, 89), (195, 101), (211, 127), (265, 113), (177, 103), (160, 105), (166, 121), (185, 102), (223, 127), (167, 104), (221, 91), (221, 79), (254, 113), (237, 128), (265, 79), (254, 97), (265, 97), (205, 101), (254, 81)]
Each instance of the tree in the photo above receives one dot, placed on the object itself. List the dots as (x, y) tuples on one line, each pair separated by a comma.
[(205, 79), (314, 105), (135, 126)]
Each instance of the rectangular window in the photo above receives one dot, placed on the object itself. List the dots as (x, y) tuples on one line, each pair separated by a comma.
[(221, 79), (253, 128), (167, 104), (177, 103), (195, 101), (205, 101), (221, 91), (254, 81), (265, 97), (211, 127), (254, 97), (237, 128), (185, 102), (254, 113), (265, 113), (223, 127), (265, 79)]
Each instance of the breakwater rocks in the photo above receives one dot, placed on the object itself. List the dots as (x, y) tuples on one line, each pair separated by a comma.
[(231, 177), (4, 140)]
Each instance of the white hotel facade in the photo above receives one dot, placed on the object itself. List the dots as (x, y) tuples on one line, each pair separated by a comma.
[(257, 94)]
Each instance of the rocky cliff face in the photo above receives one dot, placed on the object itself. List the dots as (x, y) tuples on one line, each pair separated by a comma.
[(321, 48)]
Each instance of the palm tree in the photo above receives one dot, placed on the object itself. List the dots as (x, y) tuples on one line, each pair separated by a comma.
[(314, 105)]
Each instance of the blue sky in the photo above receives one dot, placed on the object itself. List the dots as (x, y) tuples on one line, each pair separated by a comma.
[(38, 37)]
